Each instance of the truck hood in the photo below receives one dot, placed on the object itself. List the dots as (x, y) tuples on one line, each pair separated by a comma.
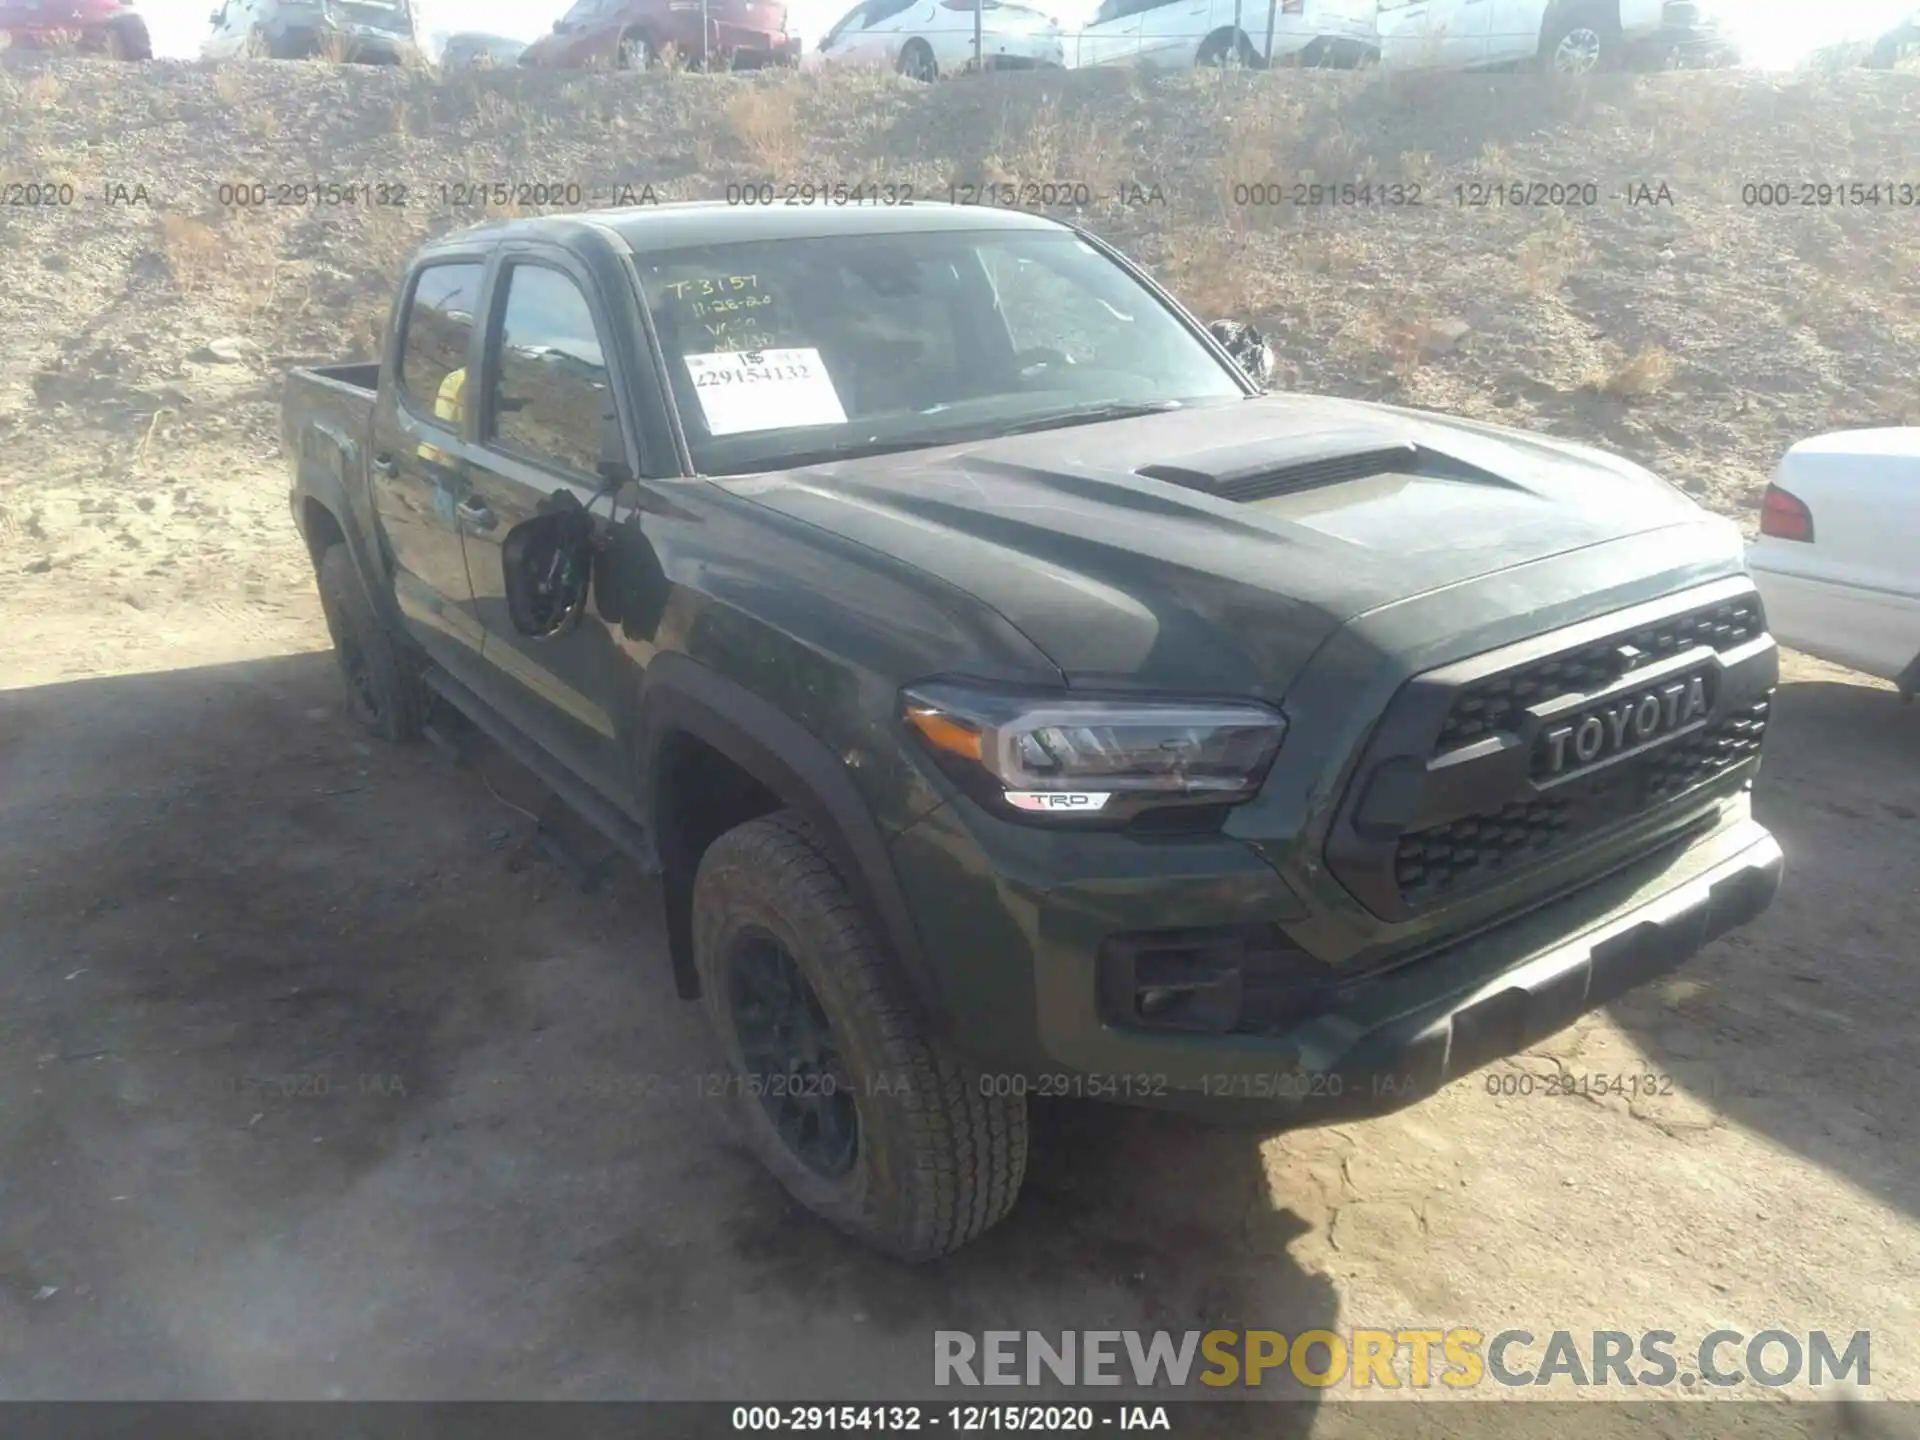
[(1214, 549)]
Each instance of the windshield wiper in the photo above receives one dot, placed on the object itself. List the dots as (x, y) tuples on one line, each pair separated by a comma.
[(859, 449), (1093, 414)]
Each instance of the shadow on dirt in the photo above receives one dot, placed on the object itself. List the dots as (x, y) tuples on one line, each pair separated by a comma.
[(299, 1038), (1800, 1026)]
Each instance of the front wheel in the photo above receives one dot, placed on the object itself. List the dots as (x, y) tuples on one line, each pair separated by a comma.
[(866, 1117)]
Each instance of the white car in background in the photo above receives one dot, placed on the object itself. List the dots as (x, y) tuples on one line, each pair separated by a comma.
[(1838, 558), (925, 39), (1182, 34), (1569, 37)]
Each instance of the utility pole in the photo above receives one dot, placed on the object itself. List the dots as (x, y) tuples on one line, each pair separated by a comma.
[(979, 37), (1273, 7)]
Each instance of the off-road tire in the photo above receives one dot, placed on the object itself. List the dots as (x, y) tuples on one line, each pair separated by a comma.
[(384, 688), (938, 1160)]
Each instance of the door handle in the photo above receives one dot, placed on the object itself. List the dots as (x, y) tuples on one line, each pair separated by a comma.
[(476, 514), (386, 465)]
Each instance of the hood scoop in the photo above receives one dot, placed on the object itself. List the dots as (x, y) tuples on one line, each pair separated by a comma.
[(1264, 469)]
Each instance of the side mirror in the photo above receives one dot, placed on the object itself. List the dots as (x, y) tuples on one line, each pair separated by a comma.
[(547, 564), (1249, 349)]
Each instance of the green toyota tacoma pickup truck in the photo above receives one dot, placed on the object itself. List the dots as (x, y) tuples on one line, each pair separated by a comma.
[(1015, 700)]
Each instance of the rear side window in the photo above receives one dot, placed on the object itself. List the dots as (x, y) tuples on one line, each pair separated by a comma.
[(552, 402), (433, 353)]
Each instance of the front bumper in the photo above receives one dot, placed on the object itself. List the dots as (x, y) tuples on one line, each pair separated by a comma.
[(1018, 954)]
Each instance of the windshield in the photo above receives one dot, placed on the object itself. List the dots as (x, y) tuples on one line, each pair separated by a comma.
[(782, 352)]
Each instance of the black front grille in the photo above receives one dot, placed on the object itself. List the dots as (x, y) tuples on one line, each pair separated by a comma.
[(1466, 854), (1495, 705), (1483, 769)]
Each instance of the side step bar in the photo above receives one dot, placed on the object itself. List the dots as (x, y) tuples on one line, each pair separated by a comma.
[(629, 838)]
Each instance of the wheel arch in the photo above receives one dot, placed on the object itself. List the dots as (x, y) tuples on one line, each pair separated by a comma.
[(926, 46), (325, 517), (687, 704), (1228, 37)]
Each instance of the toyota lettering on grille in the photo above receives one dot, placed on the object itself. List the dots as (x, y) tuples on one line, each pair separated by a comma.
[(1630, 723)]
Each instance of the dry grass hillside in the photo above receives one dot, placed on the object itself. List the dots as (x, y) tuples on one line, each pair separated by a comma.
[(1695, 332)]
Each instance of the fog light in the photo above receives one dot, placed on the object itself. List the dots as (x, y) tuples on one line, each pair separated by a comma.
[(1211, 981)]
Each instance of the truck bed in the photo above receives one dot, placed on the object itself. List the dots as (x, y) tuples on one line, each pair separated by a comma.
[(337, 402), (353, 375)]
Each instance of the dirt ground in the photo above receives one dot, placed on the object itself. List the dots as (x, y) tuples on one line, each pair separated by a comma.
[(212, 883), (315, 1081)]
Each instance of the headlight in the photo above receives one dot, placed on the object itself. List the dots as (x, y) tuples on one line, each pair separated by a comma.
[(1103, 759)]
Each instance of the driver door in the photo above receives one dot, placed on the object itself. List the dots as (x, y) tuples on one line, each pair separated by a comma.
[(552, 407)]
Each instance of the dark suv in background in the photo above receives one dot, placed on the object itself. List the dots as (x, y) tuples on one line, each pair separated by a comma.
[(633, 34), (105, 27)]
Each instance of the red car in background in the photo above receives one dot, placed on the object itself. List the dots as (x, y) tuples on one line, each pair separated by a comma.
[(101, 27), (633, 34)]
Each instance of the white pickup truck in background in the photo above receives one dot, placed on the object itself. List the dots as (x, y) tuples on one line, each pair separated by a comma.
[(1570, 37), (1838, 558)]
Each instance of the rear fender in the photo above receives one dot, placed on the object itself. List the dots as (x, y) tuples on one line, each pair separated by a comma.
[(329, 460)]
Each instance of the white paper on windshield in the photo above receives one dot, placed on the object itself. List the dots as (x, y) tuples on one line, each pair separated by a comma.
[(764, 390)]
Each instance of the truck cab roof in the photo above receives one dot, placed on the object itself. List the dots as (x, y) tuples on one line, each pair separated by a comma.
[(677, 224)]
